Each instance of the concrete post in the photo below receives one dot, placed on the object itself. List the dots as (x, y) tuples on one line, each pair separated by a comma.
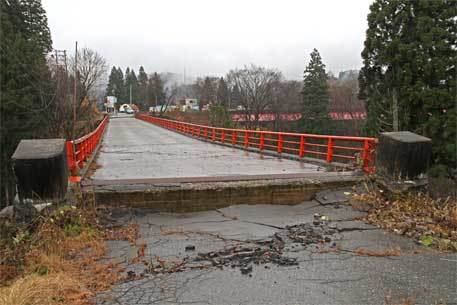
[(41, 170), (402, 160)]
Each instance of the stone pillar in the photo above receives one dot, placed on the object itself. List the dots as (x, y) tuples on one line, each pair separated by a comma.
[(41, 170), (402, 160)]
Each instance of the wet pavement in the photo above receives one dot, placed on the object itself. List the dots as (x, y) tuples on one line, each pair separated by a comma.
[(134, 149), (333, 271)]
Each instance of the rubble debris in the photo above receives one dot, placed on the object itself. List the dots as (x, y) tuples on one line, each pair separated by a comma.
[(190, 248), (245, 254), (328, 197), (246, 269)]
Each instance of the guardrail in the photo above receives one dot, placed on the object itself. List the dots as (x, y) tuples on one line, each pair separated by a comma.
[(359, 151), (79, 150)]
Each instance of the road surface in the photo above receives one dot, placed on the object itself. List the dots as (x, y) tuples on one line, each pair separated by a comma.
[(417, 276), (134, 149)]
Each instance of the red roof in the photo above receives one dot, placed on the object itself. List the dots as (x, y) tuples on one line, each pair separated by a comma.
[(269, 117)]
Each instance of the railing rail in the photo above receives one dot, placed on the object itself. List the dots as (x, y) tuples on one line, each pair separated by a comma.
[(344, 149), (79, 150)]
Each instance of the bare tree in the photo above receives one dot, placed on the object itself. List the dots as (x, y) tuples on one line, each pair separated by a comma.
[(286, 98), (256, 87), (344, 102), (91, 68)]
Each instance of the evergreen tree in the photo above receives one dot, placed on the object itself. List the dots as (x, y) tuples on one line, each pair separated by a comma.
[(120, 92), (207, 92), (156, 90), (24, 82), (115, 84), (222, 93), (142, 87), (130, 86), (315, 97), (408, 79)]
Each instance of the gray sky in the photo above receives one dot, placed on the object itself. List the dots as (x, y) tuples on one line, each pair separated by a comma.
[(210, 37)]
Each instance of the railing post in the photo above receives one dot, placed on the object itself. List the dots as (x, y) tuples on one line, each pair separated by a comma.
[(71, 156), (365, 156), (246, 138), (223, 136), (302, 146), (233, 137), (262, 141), (205, 133), (329, 150), (214, 134), (280, 143)]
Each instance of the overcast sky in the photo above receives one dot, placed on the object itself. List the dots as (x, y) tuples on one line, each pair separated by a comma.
[(210, 37)]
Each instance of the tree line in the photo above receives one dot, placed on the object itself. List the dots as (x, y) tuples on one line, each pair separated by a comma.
[(144, 90)]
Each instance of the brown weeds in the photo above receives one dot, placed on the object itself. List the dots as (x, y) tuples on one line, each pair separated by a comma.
[(59, 261)]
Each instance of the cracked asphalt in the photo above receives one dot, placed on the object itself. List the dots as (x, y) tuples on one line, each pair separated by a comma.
[(423, 275)]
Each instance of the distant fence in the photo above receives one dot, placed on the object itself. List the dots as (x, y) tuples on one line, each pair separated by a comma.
[(344, 149), (80, 150)]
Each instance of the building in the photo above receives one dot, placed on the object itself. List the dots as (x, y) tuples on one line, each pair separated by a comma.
[(189, 104), (110, 101)]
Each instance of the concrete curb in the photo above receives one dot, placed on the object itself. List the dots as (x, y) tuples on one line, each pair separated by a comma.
[(200, 196)]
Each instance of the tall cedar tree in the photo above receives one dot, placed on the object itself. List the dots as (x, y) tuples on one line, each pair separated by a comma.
[(130, 83), (408, 79), (156, 90), (315, 97), (25, 39), (222, 93), (142, 87), (116, 84)]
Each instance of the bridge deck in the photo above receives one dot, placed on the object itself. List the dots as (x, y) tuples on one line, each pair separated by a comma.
[(133, 149)]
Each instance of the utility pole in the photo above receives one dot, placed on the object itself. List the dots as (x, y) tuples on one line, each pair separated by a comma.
[(155, 108), (130, 94), (74, 89)]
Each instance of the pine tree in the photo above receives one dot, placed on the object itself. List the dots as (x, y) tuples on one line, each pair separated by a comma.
[(24, 82), (315, 97), (115, 84), (142, 87), (408, 79), (130, 86), (111, 87), (156, 90), (120, 81), (222, 93)]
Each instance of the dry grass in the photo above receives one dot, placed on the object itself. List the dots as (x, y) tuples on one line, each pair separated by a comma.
[(129, 232), (41, 290), (59, 261)]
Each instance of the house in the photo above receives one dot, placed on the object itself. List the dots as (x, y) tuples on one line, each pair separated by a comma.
[(110, 101), (189, 104)]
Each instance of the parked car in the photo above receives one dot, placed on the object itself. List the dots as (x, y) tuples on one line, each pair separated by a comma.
[(129, 111)]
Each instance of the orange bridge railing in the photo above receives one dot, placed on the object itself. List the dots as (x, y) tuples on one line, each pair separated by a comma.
[(80, 150), (359, 151)]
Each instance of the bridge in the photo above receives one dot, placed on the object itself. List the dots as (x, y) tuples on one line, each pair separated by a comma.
[(169, 165)]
